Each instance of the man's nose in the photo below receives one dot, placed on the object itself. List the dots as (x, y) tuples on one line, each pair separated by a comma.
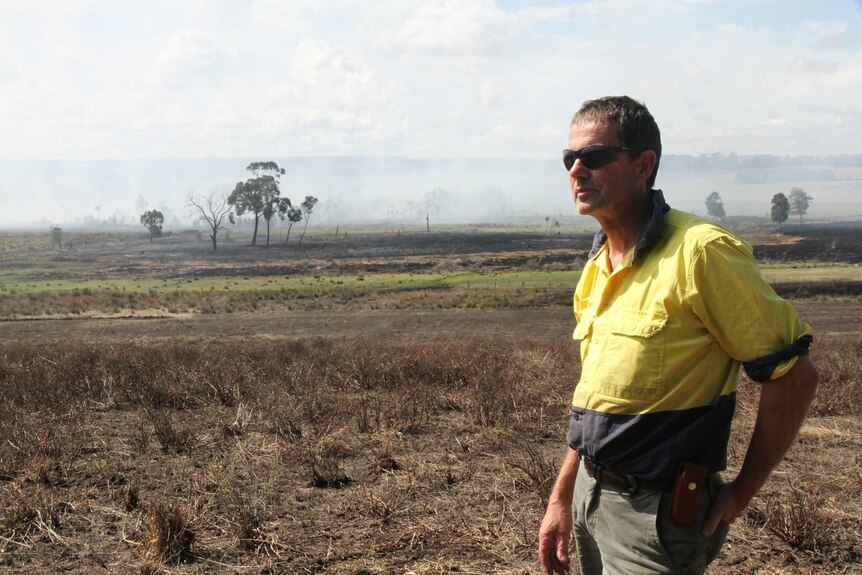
[(579, 171)]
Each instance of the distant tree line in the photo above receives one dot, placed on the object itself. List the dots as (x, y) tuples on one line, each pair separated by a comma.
[(733, 161), (259, 196), (796, 203)]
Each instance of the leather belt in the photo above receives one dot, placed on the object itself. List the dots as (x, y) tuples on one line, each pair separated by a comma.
[(624, 481)]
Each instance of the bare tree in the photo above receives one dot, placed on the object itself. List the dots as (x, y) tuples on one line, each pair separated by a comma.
[(212, 210)]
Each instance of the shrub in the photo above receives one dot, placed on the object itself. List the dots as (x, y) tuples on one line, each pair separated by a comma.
[(540, 469), (169, 535), (799, 520), (173, 436)]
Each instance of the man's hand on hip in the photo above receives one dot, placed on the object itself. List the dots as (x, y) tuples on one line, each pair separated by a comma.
[(725, 508)]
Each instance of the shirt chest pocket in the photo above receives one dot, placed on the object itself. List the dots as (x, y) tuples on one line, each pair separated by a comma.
[(626, 355)]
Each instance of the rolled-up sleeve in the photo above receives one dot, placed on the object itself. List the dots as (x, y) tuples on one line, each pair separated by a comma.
[(742, 312)]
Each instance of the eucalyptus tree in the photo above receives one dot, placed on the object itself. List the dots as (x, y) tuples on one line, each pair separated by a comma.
[(799, 202), (153, 220), (307, 209), (57, 237), (258, 195), (714, 206), (292, 215), (780, 209), (280, 207)]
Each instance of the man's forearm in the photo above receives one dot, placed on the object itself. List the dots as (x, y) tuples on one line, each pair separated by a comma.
[(784, 402), (564, 488), (783, 405)]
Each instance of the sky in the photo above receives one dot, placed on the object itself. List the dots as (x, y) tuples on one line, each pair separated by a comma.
[(194, 79)]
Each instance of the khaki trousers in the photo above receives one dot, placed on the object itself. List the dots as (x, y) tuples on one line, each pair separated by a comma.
[(621, 534)]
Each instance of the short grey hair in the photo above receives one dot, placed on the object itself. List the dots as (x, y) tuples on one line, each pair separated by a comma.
[(637, 127)]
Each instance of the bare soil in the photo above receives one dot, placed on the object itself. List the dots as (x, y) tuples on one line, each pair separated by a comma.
[(541, 325)]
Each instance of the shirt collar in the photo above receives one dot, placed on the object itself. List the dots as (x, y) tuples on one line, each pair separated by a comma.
[(651, 230)]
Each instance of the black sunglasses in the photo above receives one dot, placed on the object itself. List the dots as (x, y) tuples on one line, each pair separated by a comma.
[(594, 157)]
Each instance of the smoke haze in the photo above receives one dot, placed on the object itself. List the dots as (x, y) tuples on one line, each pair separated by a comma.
[(359, 190)]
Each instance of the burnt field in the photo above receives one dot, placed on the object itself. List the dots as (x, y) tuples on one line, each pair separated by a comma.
[(385, 428), (835, 242)]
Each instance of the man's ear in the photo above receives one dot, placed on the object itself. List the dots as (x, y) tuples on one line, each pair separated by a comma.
[(646, 163)]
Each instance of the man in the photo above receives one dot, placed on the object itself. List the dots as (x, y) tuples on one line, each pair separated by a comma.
[(668, 307)]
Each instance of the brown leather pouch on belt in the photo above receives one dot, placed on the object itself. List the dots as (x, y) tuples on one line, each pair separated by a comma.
[(690, 482)]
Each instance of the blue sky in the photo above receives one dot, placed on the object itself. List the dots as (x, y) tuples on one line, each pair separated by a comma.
[(100, 79)]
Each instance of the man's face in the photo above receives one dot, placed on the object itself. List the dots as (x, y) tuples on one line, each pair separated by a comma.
[(612, 191)]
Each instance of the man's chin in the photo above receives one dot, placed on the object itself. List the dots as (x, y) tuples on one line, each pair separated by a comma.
[(584, 208)]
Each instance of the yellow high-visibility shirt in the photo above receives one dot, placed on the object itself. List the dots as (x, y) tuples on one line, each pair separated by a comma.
[(662, 340)]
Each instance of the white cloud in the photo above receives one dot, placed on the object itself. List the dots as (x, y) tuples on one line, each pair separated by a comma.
[(811, 67), (772, 122), (320, 76), (189, 56), (462, 28), (733, 31), (823, 34), (423, 78), (490, 93)]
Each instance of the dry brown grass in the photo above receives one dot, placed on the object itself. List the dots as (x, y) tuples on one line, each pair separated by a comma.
[(346, 456), (840, 366), (31, 519), (169, 533)]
